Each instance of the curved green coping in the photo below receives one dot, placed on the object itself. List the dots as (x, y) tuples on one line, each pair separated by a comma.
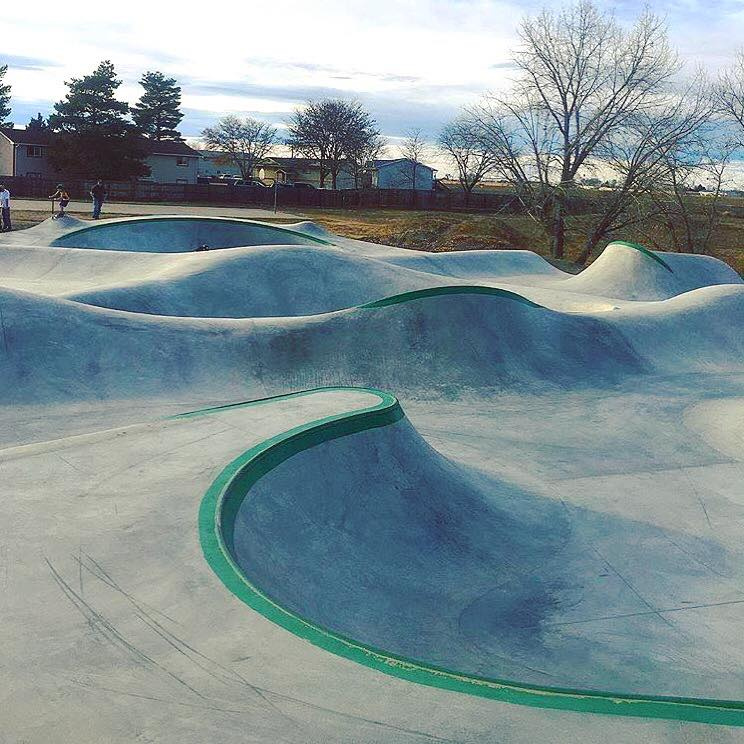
[(217, 514), (646, 252), (190, 218), (418, 294)]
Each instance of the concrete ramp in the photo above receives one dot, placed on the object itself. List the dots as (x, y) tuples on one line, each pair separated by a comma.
[(310, 489), (464, 572), (176, 234), (631, 272), (60, 350), (258, 282)]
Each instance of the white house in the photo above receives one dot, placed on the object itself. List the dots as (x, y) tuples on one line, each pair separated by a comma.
[(23, 152), (172, 162), (401, 173)]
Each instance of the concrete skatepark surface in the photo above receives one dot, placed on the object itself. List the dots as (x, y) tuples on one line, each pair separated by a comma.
[(539, 523)]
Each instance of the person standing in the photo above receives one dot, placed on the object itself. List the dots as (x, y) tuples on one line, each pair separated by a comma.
[(64, 200), (5, 206), (98, 193)]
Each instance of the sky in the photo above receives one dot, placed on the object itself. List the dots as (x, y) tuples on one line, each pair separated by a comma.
[(413, 63)]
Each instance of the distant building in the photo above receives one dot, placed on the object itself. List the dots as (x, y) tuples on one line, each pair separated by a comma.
[(399, 174), (301, 170), (213, 164), (379, 174), (25, 152), (172, 162)]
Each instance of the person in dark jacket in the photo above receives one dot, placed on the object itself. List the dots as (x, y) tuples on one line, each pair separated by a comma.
[(98, 194)]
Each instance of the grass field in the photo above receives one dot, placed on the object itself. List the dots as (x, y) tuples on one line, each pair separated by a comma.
[(458, 231)]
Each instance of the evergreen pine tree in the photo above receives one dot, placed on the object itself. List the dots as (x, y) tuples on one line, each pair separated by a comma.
[(37, 124), (4, 97), (158, 111), (93, 138)]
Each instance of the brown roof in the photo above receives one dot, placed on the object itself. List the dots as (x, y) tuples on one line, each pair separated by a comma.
[(164, 147), (26, 136), (169, 147)]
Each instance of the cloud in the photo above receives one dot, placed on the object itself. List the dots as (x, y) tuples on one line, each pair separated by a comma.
[(394, 116), (412, 63), (20, 62)]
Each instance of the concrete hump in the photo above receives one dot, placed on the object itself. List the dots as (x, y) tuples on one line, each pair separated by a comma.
[(629, 271), (176, 234)]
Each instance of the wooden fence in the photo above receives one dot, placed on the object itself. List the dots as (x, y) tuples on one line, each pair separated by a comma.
[(217, 193)]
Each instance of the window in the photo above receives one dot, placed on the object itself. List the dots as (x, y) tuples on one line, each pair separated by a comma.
[(34, 151), (182, 161)]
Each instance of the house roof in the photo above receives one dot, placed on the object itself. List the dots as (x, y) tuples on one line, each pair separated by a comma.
[(289, 162), (385, 163), (169, 147), (26, 136), (163, 147)]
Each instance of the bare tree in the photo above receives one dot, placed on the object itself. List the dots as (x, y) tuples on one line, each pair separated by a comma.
[(688, 208), (366, 152), (414, 148), (581, 78), (730, 92), (244, 142), (646, 155), (332, 131), (462, 143)]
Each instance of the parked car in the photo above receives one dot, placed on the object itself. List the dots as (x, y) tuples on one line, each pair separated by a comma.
[(302, 185), (240, 182)]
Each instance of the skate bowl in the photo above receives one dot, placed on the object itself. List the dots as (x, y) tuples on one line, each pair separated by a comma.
[(315, 567), (164, 234), (509, 495)]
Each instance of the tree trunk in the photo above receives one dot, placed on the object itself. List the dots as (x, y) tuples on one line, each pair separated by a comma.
[(334, 177), (592, 242), (558, 232)]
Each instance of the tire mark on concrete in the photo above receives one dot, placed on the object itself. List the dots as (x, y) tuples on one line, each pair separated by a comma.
[(96, 620), (225, 674)]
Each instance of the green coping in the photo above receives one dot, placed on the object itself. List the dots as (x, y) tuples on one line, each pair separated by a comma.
[(418, 294), (188, 218), (217, 515), (645, 251)]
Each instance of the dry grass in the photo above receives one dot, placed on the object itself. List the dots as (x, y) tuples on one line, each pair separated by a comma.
[(458, 231)]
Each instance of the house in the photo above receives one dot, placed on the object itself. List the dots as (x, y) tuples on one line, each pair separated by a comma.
[(24, 152), (301, 170), (271, 169), (172, 162), (400, 174), (213, 163)]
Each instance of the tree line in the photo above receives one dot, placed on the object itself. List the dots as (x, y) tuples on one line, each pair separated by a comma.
[(591, 102), (92, 133), (591, 98)]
